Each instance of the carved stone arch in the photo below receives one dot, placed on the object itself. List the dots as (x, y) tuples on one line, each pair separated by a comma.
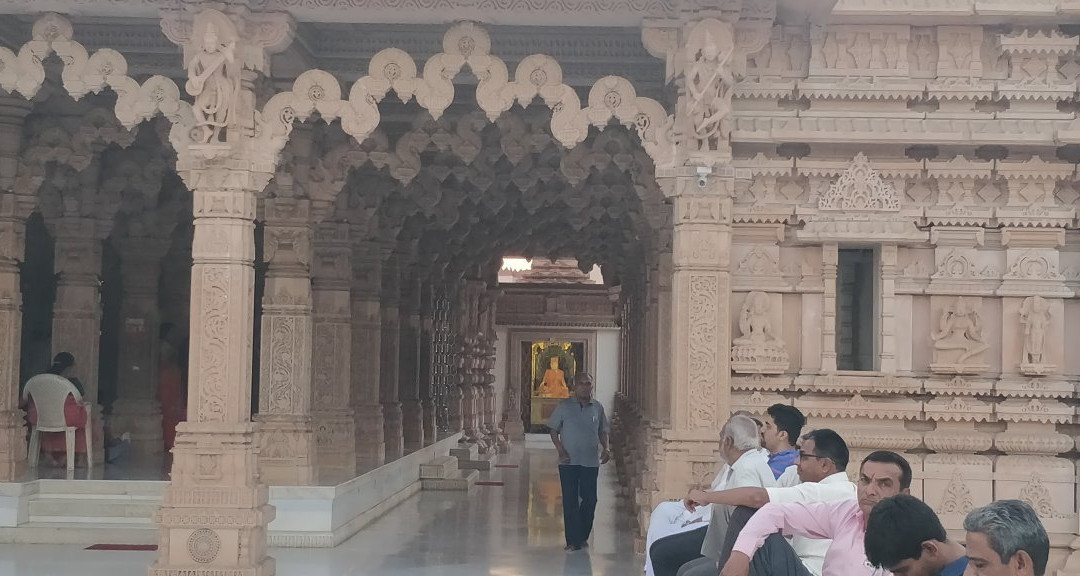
[(73, 142), (333, 165), (539, 75), (390, 69), (85, 73)]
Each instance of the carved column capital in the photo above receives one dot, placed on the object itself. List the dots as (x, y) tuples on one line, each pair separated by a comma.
[(13, 112)]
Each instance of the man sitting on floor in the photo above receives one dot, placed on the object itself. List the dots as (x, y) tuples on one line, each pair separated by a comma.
[(905, 537), (672, 518), (1006, 538), (823, 457), (739, 445), (761, 551), (781, 428)]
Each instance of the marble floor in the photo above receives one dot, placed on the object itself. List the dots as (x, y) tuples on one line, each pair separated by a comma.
[(513, 529)]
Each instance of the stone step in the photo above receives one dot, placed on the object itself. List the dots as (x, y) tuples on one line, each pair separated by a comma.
[(101, 488), (463, 480), (481, 462), (465, 452), (132, 510), (79, 533), (441, 467)]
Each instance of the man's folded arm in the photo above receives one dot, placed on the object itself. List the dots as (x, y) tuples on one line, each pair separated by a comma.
[(813, 520)]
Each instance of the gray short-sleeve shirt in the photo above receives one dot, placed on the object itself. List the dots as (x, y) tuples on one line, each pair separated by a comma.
[(579, 427)]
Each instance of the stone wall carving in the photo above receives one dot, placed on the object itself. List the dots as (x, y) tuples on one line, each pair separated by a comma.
[(1035, 320), (758, 350), (958, 338)]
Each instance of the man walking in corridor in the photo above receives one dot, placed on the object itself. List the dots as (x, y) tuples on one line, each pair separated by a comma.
[(579, 430)]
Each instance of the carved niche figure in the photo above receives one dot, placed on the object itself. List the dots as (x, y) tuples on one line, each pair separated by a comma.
[(958, 340), (1035, 317), (758, 350), (709, 83), (215, 83)]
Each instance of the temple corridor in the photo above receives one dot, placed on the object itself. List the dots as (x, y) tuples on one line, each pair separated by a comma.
[(512, 529)]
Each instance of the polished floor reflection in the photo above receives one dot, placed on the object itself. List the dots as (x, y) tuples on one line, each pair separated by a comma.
[(513, 529)]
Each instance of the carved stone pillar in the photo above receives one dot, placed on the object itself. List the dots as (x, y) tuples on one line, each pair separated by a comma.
[(215, 511), (701, 288), (332, 411), (888, 309), (425, 360), (14, 210), (699, 389), (487, 350), (830, 260), (287, 450), (77, 311), (76, 326), (366, 350), (388, 366), (456, 396), (660, 347), (215, 500), (469, 301), (409, 367), (137, 409)]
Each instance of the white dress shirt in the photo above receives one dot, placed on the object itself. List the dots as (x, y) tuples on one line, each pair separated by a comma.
[(751, 470), (832, 488), (789, 478)]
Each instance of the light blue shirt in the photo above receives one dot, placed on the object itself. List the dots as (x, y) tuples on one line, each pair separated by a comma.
[(579, 427)]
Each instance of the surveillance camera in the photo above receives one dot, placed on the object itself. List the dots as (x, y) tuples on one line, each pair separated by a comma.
[(702, 181)]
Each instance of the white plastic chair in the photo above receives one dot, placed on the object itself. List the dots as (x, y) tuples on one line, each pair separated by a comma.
[(49, 393)]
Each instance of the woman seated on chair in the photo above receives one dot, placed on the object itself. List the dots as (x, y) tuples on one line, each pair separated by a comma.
[(53, 443)]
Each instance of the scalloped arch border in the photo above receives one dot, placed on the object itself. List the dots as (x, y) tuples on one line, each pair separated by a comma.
[(391, 69)]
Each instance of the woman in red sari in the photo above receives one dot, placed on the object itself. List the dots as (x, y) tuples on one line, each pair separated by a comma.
[(53, 444)]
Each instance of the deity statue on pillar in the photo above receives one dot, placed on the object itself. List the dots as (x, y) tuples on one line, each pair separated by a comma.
[(709, 84), (215, 83), (1035, 318)]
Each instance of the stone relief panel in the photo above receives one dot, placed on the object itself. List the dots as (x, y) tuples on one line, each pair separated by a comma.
[(704, 312), (1037, 336), (958, 336), (756, 347)]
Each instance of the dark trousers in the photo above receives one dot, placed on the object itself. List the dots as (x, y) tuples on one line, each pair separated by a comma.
[(669, 553), (578, 501)]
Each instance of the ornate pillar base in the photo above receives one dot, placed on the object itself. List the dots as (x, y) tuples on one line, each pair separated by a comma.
[(335, 440), (286, 449), (370, 443), (141, 419), (412, 425), (393, 433), (214, 516), (514, 428), (12, 445)]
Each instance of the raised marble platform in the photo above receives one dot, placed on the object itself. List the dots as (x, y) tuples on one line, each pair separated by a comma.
[(91, 511)]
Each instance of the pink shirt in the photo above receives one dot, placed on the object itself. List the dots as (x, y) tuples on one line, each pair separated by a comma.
[(840, 520)]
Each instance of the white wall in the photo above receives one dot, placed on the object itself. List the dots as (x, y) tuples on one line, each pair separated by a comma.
[(607, 367)]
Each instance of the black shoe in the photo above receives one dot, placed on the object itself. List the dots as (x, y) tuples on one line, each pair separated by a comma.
[(572, 547)]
